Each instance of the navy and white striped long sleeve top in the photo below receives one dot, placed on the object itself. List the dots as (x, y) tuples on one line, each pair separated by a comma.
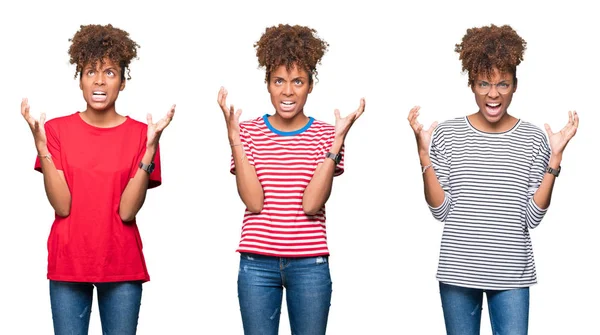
[(489, 180)]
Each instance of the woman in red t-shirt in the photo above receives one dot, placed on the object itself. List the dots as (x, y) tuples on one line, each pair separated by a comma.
[(97, 166), (284, 165)]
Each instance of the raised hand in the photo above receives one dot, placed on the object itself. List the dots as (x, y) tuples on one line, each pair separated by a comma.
[(232, 117), (343, 124), (559, 140), (423, 136), (156, 129), (36, 127)]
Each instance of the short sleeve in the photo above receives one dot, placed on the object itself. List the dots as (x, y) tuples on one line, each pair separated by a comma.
[(53, 143), (249, 148)]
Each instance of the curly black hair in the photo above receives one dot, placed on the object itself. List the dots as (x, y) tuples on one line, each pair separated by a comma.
[(290, 45), (487, 47), (93, 43)]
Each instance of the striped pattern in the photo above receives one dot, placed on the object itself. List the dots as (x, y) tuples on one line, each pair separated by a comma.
[(285, 164), (489, 180)]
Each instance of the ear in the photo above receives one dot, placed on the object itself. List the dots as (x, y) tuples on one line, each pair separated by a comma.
[(80, 84), (122, 87), (310, 87), (515, 85)]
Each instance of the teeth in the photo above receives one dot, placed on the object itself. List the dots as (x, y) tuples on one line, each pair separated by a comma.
[(99, 93), (493, 105), (287, 103)]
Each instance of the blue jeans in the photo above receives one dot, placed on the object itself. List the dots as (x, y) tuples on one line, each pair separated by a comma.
[(118, 303), (307, 283), (509, 310)]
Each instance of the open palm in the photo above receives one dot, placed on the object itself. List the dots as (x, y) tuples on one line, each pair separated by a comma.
[(156, 129), (423, 136), (559, 140), (343, 124)]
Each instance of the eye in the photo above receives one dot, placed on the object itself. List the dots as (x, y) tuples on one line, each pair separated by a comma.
[(483, 84), (298, 82), (278, 81), (110, 73), (503, 85), (90, 72)]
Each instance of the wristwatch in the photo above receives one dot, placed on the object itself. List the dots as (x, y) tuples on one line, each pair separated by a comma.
[(553, 171), (337, 158), (147, 167)]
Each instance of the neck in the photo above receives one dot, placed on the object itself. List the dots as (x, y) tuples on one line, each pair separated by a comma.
[(103, 119), (294, 123), (505, 123)]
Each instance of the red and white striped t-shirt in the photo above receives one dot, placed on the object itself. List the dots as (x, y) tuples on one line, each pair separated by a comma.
[(285, 163)]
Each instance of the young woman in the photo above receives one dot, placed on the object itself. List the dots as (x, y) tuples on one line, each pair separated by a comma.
[(97, 166), (489, 176), (284, 165)]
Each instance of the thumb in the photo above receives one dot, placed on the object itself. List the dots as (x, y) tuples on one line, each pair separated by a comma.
[(433, 125), (548, 130), (149, 118), (337, 114), (42, 118)]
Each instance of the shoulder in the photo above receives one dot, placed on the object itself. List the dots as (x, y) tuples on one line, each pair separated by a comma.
[(449, 126), (135, 124), (531, 131), (253, 124), (322, 128)]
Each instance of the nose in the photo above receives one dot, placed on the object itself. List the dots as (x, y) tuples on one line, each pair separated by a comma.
[(99, 79), (493, 93), (288, 90)]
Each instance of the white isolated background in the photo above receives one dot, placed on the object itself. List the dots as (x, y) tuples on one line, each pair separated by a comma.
[(384, 243)]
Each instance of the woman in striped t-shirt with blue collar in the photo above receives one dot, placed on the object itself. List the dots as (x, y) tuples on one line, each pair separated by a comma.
[(284, 165), (488, 176)]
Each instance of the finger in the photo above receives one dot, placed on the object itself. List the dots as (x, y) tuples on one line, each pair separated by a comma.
[(361, 108), (432, 127), (570, 117), (576, 119), (43, 119), (24, 107), (548, 130), (230, 114), (237, 115), (171, 112), (337, 114), (149, 119), (412, 115)]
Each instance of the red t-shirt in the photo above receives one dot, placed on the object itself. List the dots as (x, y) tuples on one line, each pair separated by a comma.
[(93, 244)]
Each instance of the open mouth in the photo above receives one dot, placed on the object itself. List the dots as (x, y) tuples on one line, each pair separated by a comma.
[(493, 108), (98, 96), (287, 105)]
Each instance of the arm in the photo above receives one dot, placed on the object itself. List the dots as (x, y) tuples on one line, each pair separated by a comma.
[(55, 183), (134, 195), (248, 185), (540, 201), (318, 189), (435, 177)]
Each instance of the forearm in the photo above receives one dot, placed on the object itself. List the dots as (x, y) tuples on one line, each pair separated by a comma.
[(56, 186), (434, 194), (248, 185), (134, 195), (543, 195), (318, 190)]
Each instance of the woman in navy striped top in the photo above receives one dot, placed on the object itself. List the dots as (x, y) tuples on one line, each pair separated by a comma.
[(488, 176)]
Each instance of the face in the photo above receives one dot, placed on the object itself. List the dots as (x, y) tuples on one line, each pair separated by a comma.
[(101, 84), (289, 90), (493, 95)]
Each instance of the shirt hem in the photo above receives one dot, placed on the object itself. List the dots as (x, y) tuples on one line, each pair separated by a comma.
[(282, 255), (100, 279)]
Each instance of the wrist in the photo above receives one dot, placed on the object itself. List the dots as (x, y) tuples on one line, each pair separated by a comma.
[(555, 160), (424, 159), (336, 147)]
